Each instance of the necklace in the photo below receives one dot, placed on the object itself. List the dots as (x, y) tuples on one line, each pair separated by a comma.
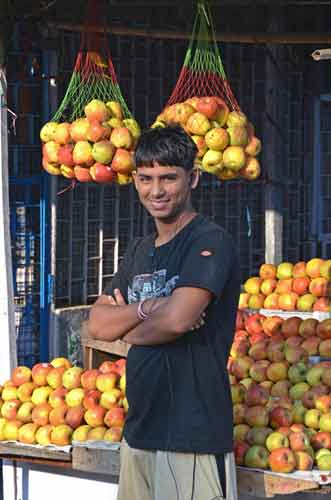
[(178, 227), (172, 241)]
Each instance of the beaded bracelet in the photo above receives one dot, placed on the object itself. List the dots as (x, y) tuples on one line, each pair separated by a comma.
[(141, 314)]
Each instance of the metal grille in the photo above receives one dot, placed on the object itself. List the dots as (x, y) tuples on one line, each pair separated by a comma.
[(95, 223), (26, 189), (325, 169)]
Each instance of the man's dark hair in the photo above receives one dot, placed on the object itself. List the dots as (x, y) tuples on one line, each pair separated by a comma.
[(167, 146)]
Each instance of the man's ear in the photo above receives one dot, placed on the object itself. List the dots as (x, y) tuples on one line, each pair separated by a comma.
[(195, 176), (134, 177)]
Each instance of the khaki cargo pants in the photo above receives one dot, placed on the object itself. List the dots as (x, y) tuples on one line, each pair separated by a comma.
[(160, 475)]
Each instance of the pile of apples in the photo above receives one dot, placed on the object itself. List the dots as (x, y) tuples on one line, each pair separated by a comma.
[(97, 147), (56, 403), (227, 146), (281, 401), (304, 286)]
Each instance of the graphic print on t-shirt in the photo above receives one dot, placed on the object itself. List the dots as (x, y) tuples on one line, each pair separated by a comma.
[(149, 285)]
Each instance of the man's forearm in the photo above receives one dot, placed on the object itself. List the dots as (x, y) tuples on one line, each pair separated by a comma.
[(159, 328), (109, 322)]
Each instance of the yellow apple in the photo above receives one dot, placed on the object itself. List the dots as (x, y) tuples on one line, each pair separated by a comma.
[(61, 435), (27, 433), (43, 435)]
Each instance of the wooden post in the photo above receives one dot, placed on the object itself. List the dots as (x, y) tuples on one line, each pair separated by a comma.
[(273, 157), (8, 356)]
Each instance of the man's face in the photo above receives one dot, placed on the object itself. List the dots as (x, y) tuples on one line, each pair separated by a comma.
[(165, 191)]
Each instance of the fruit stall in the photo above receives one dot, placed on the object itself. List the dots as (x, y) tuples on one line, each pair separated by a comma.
[(62, 421)]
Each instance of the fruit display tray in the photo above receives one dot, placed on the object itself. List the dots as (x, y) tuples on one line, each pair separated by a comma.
[(265, 484), (50, 452), (319, 315)]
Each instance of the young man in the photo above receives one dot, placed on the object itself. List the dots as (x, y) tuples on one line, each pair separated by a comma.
[(174, 299)]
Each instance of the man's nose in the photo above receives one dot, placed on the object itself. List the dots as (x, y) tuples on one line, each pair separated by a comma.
[(157, 188)]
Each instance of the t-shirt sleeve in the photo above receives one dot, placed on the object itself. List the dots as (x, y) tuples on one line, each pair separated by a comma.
[(121, 279), (208, 262)]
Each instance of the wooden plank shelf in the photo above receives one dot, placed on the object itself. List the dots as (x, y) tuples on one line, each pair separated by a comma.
[(266, 485), (96, 457), (14, 448), (97, 351)]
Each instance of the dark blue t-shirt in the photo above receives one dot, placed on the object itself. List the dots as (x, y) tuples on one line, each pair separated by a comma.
[(179, 393)]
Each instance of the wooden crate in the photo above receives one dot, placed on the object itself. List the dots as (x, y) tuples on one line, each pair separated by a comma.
[(97, 351)]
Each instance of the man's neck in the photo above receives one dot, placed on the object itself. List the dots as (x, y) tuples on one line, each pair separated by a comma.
[(166, 231)]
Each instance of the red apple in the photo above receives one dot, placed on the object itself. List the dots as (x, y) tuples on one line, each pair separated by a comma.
[(299, 270), (82, 174), (122, 162), (299, 441), (40, 414), (253, 323), (300, 285), (318, 287), (257, 416), (65, 155), (95, 416), (239, 449), (313, 267), (74, 416), (287, 301), (40, 372), (272, 325), (54, 377), (323, 329), (321, 440), (207, 106), (21, 375), (115, 417), (91, 399), (102, 173), (271, 301), (268, 271), (290, 326), (311, 345), (325, 348), (88, 378), (268, 286), (97, 110), (256, 395), (304, 461), (258, 370), (322, 304), (282, 460), (308, 327), (279, 417)]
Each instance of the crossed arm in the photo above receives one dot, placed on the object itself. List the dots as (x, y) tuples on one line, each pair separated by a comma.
[(169, 317)]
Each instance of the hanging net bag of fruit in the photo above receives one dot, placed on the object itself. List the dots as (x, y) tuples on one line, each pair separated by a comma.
[(202, 102), (92, 135)]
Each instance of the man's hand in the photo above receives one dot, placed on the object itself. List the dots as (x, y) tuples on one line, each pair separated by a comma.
[(117, 299)]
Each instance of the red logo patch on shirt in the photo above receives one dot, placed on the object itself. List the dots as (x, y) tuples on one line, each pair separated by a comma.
[(206, 253)]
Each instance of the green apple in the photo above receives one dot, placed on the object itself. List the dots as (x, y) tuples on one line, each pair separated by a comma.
[(312, 418), (257, 457), (212, 161), (276, 440)]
